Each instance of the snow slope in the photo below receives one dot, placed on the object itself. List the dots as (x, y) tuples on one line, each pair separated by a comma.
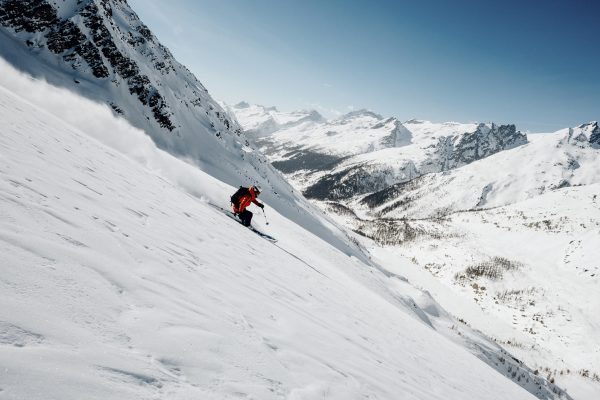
[(507, 242), (101, 50), (532, 247), (118, 281), (531, 273), (522, 224)]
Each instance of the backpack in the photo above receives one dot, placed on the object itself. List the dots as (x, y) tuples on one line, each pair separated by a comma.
[(242, 191)]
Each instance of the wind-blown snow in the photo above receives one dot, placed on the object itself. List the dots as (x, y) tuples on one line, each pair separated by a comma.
[(117, 283), (118, 134), (66, 42)]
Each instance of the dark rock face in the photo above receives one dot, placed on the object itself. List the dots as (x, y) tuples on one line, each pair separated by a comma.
[(28, 15), (357, 180), (393, 192), (454, 152), (67, 39), (595, 136), (64, 37), (126, 68), (399, 136), (103, 43), (451, 152)]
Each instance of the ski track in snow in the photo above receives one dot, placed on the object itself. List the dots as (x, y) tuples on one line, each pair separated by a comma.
[(116, 283)]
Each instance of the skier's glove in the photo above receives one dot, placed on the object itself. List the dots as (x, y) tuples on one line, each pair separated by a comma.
[(261, 205)]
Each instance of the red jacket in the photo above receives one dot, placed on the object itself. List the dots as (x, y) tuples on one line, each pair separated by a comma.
[(245, 201)]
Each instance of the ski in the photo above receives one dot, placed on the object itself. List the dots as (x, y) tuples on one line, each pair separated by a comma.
[(251, 228)]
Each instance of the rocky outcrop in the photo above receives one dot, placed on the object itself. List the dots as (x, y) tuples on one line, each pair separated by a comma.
[(103, 43), (400, 136), (28, 15), (594, 130), (486, 140), (583, 135), (450, 152), (358, 180), (65, 38), (360, 113)]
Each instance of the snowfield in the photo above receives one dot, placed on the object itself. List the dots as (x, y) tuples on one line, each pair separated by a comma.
[(104, 52), (119, 280), (502, 229)]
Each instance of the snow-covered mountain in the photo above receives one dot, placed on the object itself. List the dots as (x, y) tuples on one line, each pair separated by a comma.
[(101, 50), (260, 120), (493, 221), (119, 279), (565, 158), (361, 151)]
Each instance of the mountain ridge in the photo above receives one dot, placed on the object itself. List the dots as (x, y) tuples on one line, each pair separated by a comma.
[(103, 51)]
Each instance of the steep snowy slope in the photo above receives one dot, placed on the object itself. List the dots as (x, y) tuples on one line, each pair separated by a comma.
[(119, 282), (500, 229), (100, 49)]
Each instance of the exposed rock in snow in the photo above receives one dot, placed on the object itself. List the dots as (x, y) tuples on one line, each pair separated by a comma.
[(594, 132), (359, 114), (100, 49), (486, 140)]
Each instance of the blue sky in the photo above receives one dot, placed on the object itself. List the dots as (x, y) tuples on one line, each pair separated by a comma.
[(530, 62)]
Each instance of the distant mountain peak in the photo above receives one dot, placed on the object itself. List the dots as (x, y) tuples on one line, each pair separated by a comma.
[(268, 108), (363, 112), (592, 125), (314, 115), (242, 104), (415, 121), (593, 130)]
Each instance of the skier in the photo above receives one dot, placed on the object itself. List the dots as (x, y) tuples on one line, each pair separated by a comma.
[(242, 199)]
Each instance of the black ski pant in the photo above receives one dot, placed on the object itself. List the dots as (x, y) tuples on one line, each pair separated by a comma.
[(245, 216)]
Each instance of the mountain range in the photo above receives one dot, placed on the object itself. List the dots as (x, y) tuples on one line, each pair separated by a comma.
[(506, 223), (413, 258)]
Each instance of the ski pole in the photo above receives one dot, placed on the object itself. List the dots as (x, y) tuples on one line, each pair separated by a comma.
[(265, 215)]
